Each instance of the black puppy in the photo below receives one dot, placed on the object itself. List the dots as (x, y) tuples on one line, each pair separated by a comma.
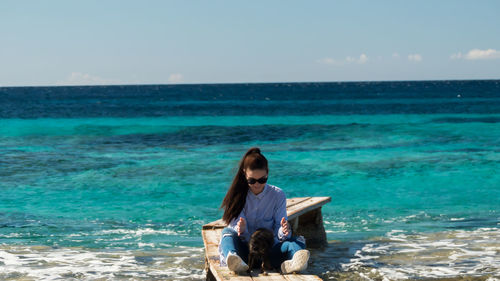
[(260, 245)]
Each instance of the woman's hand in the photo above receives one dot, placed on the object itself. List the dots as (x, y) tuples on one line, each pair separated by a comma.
[(285, 226), (241, 226)]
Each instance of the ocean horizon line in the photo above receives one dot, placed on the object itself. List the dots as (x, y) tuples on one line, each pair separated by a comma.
[(250, 83)]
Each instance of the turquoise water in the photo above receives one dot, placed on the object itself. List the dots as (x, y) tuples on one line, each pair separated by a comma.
[(81, 193)]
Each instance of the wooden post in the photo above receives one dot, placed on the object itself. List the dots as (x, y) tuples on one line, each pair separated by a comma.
[(295, 225), (310, 225)]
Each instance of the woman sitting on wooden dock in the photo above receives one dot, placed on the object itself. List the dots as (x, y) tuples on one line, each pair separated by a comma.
[(263, 207)]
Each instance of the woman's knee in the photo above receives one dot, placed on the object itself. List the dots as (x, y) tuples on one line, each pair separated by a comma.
[(296, 241), (300, 241), (227, 231), (292, 245)]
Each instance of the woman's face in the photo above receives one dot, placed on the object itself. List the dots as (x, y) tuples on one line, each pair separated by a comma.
[(252, 175)]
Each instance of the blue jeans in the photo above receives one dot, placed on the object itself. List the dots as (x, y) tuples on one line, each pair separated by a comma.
[(280, 252)]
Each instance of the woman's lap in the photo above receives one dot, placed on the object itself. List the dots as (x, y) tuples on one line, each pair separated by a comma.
[(280, 252)]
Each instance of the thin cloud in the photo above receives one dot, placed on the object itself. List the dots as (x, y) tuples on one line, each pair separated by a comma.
[(78, 78), (477, 54), (456, 56), (363, 58), (395, 55), (176, 78), (327, 61), (415, 57)]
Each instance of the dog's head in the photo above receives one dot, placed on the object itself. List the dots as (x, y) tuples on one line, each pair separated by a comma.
[(261, 241)]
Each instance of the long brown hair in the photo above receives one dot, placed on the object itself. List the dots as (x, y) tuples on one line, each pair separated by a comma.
[(236, 196)]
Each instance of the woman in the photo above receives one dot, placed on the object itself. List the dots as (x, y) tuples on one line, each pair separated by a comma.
[(251, 203)]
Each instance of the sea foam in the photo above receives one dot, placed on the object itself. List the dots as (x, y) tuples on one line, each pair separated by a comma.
[(399, 255), (47, 263)]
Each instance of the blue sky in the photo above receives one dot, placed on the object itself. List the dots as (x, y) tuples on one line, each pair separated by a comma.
[(167, 42)]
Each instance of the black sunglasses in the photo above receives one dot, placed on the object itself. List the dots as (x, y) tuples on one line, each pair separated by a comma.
[(253, 181)]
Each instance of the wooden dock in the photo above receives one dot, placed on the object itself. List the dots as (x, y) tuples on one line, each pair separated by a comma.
[(304, 214)]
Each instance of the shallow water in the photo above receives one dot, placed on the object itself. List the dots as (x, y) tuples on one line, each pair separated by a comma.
[(398, 256), (48, 263), (395, 256)]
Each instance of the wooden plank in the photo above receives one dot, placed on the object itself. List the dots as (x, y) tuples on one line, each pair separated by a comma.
[(218, 234), (312, 203), (301, 277), (306, 206), (215, 273), (215, 224), (211, 246), (212, 254), (210, 237), (272, 276), (223, 273), (294, 201)]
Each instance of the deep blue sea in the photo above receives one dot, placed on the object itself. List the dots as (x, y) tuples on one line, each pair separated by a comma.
[(115, 182)]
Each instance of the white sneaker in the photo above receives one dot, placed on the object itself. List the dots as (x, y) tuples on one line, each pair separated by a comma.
[(235, 263), (297, 263)]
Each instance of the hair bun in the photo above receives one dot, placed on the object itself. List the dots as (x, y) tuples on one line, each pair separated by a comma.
[(253, 150)]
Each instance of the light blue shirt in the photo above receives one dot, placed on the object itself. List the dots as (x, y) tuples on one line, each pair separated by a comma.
[(264, 210)]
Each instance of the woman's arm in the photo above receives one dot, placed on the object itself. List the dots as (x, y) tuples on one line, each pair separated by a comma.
[(279, 215), (239, 225)]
